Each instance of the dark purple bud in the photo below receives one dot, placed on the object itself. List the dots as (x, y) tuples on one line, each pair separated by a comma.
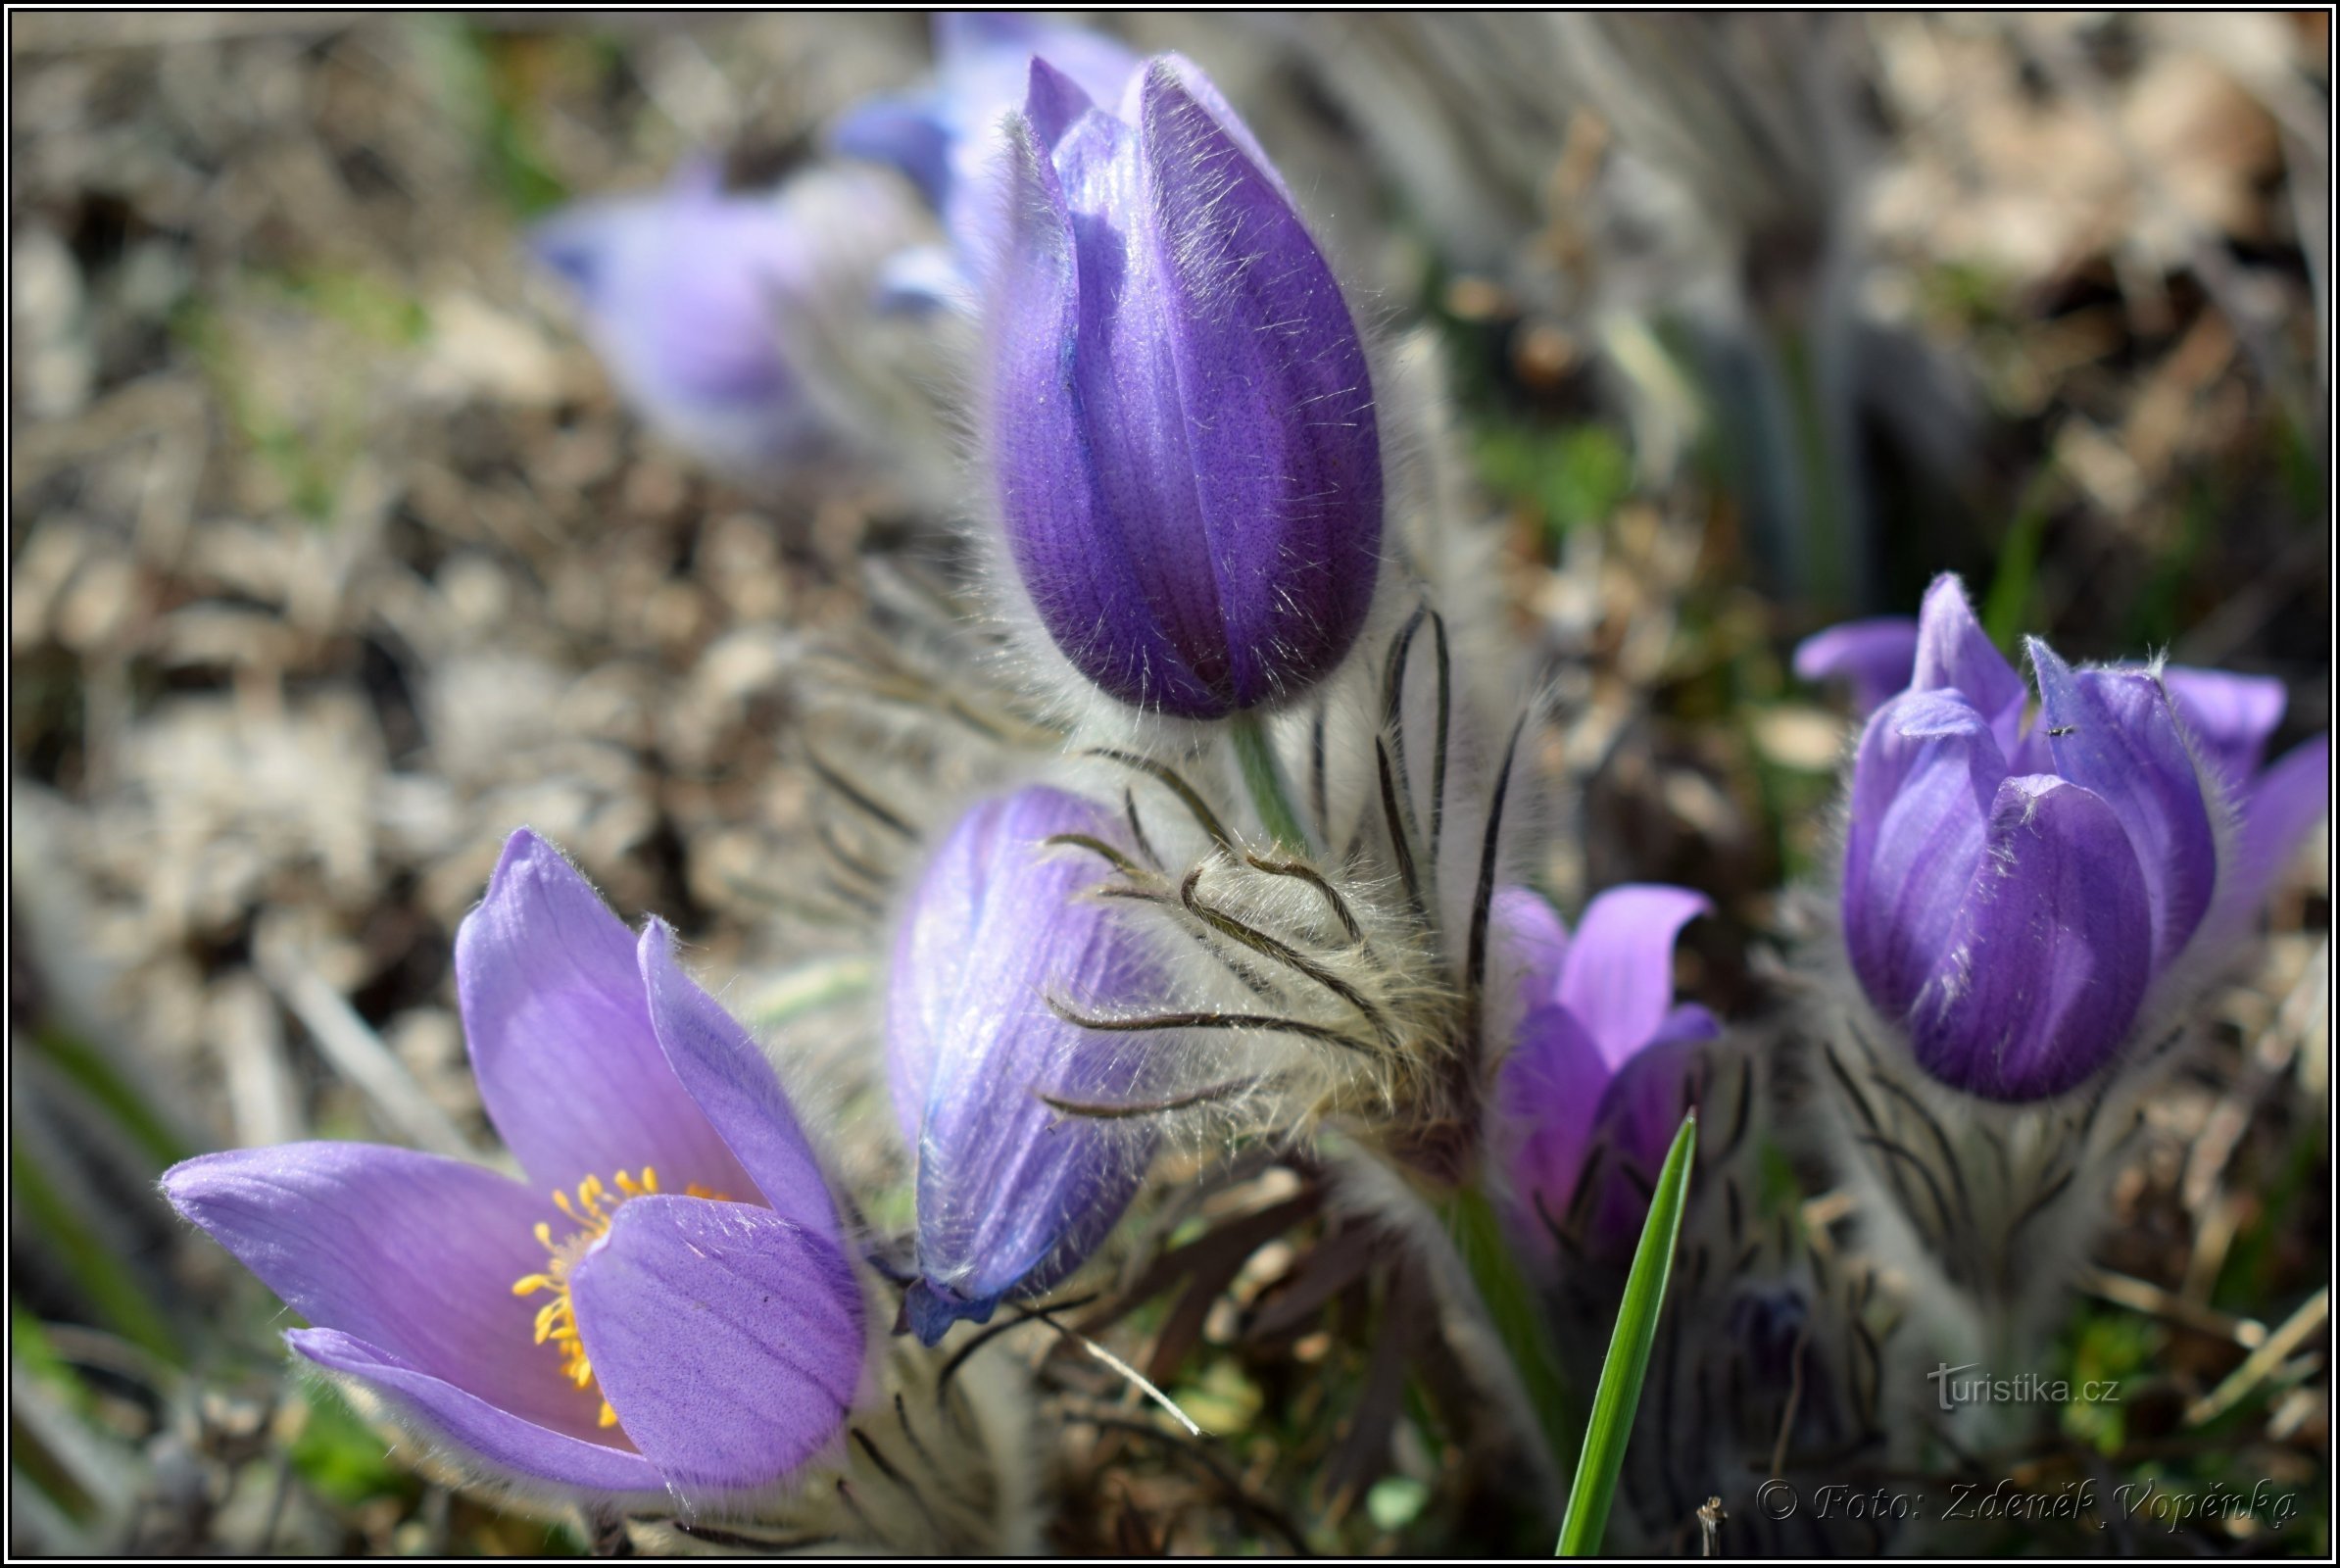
[(1181, 431)]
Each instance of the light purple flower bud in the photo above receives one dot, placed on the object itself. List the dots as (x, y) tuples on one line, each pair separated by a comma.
[(1601, 1050), (1181, 420), (691, 295), (948, 133), (2011, 893), (664, 1304), (1013, 1193)]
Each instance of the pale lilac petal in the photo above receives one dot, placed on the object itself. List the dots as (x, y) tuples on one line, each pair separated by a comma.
[(1954, 654), (2042, 978), (1552, 1084), (560, 1038), (2230, 718), (2114, 733), (1923, 781), (517, 1450), (415, 1254), (1874, 657), (1617, 975), (728, 1340), (1531, 937), (2285, 803), (735, 1088)]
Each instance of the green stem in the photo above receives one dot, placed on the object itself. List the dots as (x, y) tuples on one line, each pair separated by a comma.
[(1516, 1312), (1265, 780)]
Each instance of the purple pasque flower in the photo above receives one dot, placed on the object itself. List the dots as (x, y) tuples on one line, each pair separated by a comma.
[(2013, 889), (665, 1304), (1013, 1193), (946, 134), (1601, 1053), (689, 295), (1180, 424)]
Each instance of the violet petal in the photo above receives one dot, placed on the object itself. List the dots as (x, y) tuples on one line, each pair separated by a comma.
[(2285, 803), (1874, 657), (1617, 975), (514, 1447), (1551, 1086), (1014, 1193), (2228, 718), (560, 1038), (735, 1088), (1955, 655), (1923, 781), (412, 1253), (2042, 978), (728, 1340), (2115, 733)]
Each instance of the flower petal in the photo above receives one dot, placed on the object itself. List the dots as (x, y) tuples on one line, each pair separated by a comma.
[(1922, 782), (1874, 657), (2283, 803), (1617, 975), (515, 1448), (1640, 1112), (1014, 1193), (2230, 718), (1551, 1086), (1069, 550), (1278, 400), (728, 1340), (735, 1088), (1531, 936), (1954, 654), (561, 1037), (2050, 958), (2115, 733), (415, 1254)]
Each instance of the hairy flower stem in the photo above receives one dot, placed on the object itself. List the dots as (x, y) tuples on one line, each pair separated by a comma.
[(1265, 780), (1518, 1315)]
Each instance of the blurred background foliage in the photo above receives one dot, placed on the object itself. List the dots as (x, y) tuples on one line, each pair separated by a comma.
[(332, 558)]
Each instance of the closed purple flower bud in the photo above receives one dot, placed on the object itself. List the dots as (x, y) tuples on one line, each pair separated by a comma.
[(665, 1304), (2012, 892), (1181, 420), (1013, 1193), (691, 295), (1601, 1051)]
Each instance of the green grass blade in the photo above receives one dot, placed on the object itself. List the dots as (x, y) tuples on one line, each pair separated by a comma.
[(1620, 1392)]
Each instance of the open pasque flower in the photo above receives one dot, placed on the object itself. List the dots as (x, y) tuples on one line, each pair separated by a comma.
[(1014, 1193), (1181, 422), (1599, 1057), (666, 1301), (2015, 886)]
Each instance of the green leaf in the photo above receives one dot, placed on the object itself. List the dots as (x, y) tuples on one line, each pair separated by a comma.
[(1620, 1391)]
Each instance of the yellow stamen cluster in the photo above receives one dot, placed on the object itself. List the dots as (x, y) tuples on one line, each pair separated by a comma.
[(556, 1319)]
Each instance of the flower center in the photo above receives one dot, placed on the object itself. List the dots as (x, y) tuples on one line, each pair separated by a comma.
[(556, 1319)]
